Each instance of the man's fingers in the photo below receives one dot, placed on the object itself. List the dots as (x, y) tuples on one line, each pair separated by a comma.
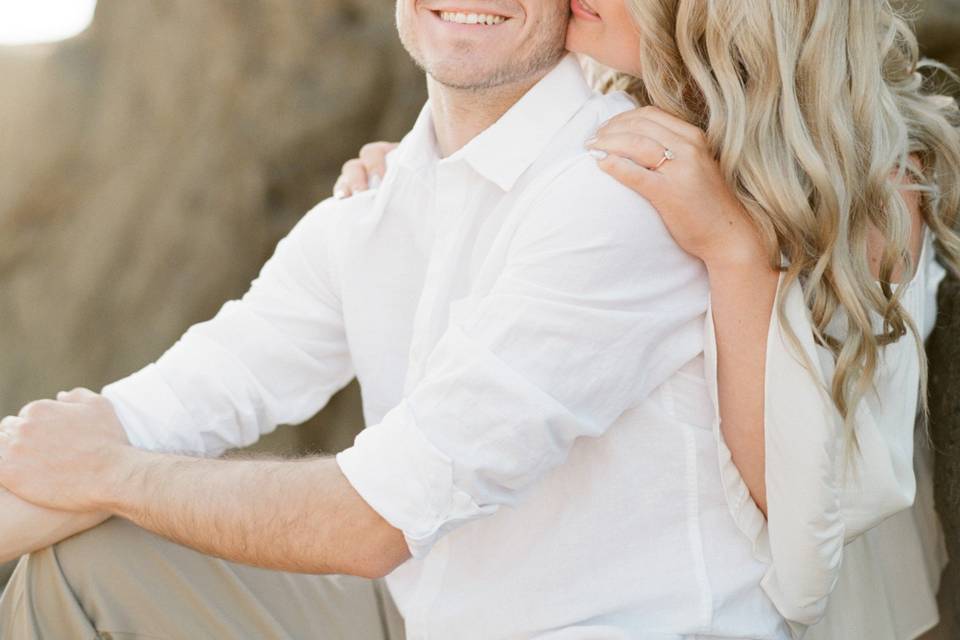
[(5, 437), (36, 409), (9, 425), (78, 394)]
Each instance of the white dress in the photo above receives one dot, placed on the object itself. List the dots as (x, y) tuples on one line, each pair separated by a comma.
[(848, 554)]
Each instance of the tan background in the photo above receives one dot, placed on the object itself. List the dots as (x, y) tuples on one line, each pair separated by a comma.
[(149, 166)]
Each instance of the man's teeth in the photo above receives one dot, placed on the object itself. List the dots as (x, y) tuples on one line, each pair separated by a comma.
[(471, 18)]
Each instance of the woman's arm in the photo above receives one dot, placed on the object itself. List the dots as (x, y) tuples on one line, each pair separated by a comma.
[(25, 527), (742, 295), (714, 227)]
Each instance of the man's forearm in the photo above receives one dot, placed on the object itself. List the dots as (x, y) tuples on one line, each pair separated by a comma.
[(25, 527), (301, 516)]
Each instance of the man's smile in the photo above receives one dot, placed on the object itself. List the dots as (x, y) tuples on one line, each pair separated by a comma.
[(458, 17)]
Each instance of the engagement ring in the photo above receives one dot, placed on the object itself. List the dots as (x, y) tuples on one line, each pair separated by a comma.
[(667, 155)]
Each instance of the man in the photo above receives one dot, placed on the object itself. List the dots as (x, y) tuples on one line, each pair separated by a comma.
[(498, 298)]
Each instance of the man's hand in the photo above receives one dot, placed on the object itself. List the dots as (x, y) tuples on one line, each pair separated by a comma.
[(71, 454), (64, 454)]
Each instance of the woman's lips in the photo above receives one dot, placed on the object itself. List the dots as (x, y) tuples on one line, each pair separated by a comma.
[(583, 10)]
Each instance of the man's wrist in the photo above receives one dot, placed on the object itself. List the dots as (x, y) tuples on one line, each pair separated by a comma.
[(121, 480)]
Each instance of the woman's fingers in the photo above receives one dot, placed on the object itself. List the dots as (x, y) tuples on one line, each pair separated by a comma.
[(648, 128), (678, 127), (642, 180), (353, 178), (640, 149), (364, 172), (374, 158)]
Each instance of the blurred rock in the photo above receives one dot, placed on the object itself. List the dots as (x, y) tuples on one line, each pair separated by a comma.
[(939, 31), (149, 166), (944, 354)]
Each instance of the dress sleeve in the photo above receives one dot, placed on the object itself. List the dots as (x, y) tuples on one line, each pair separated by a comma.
[(816, 501), (273, 357), (595, 307)]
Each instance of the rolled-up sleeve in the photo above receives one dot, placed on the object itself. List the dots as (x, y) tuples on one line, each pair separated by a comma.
[(273, 357), (593, 308)]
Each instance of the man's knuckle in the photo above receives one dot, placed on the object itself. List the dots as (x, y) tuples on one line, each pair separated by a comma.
[(32, 409)]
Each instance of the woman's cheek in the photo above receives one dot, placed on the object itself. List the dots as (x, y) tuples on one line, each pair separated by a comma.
[(614, 46)]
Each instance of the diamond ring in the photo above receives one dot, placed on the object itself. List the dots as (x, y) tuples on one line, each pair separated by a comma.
[(668, 154)]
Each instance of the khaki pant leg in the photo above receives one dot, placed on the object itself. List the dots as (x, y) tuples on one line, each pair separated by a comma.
[(120, 581)]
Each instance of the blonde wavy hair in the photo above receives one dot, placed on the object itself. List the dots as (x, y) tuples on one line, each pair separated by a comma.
[(813, 109)]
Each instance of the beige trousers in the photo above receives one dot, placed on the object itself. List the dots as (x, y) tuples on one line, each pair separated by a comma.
[(118, 581)]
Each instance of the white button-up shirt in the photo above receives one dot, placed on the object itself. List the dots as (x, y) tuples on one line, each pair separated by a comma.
[(528, 339)]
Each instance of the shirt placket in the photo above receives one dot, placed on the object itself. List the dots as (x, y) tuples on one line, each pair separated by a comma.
[(452, 222), (450, 238)]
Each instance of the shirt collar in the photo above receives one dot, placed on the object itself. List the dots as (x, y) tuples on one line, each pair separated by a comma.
[(506, 149)]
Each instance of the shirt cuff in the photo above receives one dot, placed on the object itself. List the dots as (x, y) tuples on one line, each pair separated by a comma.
[(407, 480), (152, 415)]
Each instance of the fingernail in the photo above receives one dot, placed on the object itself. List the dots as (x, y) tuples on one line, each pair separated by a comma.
[(339, 194), (590, 141), (599, 154), (375, 181)]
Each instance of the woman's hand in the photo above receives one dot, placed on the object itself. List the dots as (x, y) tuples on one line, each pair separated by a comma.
[(699, 209), (364, 172)]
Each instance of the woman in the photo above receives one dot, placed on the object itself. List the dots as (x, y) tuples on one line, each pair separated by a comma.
[(803, 127)]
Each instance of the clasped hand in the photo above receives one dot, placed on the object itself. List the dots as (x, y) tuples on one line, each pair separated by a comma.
[(67, 454)]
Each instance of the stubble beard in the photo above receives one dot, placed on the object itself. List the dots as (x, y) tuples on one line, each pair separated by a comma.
[(546, 49)]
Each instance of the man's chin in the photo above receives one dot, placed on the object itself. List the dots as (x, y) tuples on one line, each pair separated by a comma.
[(465, 75), (461, 76), (464, 84)]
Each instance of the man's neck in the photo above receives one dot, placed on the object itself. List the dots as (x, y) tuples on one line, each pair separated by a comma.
[(461, 115)]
